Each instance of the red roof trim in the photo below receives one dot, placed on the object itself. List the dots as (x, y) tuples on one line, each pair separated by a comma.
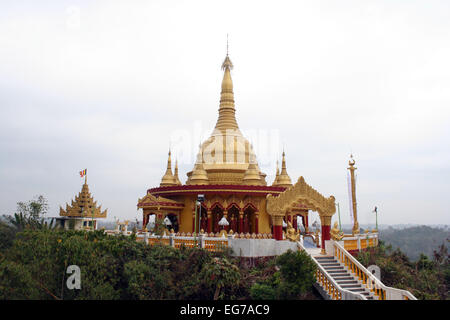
[(223, 188)]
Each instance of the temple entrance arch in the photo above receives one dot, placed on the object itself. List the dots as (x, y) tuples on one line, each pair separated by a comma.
[(149, 221), (301, 192), (249, 220), (216, 215), (203, 216), (233, 218), (174, 221)]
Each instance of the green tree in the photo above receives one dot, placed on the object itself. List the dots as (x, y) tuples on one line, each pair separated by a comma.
[(218, 274), (30, 214), (424, 278), (293, 280)]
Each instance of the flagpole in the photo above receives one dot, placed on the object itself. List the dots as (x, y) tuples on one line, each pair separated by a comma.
[(85, 182)]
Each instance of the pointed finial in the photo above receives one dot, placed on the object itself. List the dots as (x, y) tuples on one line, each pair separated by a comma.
[(351, 162), (169, 160), (227, 62), (283, 178), (277, 174), (177, 179)]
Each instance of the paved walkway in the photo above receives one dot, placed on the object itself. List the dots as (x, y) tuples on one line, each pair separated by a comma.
[(311, 247)]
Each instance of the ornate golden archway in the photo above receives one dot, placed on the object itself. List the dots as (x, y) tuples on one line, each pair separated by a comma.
[(278, 206)]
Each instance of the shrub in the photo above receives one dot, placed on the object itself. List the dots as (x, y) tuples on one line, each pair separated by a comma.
[(294, 279)]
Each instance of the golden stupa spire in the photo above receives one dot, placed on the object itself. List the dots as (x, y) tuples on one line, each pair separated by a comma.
[(168, 179), (199, 174), (277, 174), (226, 154), (227, 118), (177, 179), (252, 174), (283, 179)]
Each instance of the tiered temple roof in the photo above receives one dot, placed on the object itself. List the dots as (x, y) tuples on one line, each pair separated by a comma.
[(83, 206)]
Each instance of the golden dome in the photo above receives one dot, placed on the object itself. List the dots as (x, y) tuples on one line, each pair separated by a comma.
[(226, 153)]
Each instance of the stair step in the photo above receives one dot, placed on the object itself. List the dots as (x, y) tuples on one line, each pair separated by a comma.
[(357, 290), (346, 282), (330, 264), (344, 278), (346, 286), (327, 260)]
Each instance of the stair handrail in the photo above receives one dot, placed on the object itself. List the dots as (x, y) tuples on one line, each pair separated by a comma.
[(343, 294), (368, 279)]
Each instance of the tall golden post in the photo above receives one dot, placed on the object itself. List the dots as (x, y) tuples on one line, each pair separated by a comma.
[(352, 169)]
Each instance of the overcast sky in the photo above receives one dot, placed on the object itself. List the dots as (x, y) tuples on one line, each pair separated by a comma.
[(109, 85)]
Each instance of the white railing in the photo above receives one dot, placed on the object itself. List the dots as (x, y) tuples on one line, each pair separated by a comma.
[(331, 287), (201, 241), (367, 278)]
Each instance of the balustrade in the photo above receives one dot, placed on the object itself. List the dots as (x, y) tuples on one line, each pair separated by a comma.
[(372, 283)]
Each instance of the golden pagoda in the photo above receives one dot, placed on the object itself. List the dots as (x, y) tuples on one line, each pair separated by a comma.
[(282, 179), (227, 175), (168, 179), (177, 179), (82, 212)]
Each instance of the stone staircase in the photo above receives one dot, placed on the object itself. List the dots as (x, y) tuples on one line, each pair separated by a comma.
[(343, 276)]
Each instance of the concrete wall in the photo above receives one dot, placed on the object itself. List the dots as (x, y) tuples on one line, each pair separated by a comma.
[(260, 247)]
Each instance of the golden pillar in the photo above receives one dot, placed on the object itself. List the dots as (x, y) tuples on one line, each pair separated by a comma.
[(352, 169)]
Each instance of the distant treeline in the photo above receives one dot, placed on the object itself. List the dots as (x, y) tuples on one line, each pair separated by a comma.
[(416, 240)]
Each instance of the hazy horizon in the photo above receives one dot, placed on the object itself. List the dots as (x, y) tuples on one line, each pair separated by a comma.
[(110, 86)]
